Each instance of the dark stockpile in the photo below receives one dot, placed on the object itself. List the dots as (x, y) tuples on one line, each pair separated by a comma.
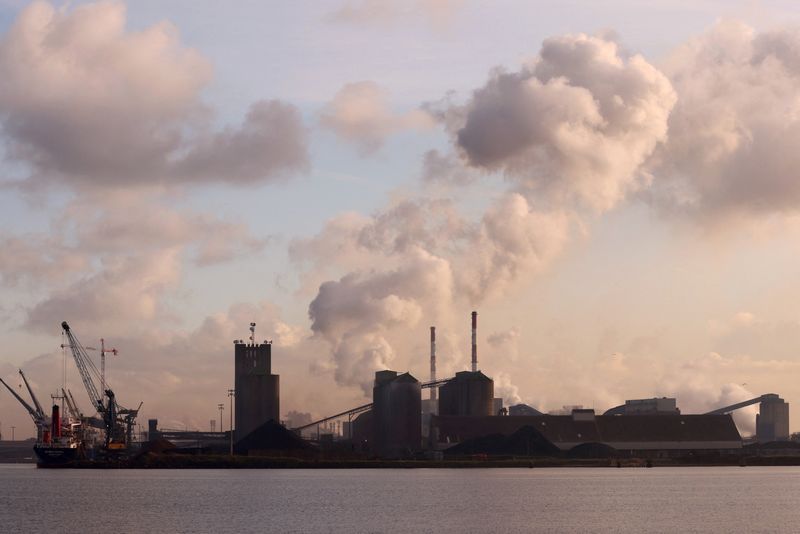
[(527, 441), (157, 446), (271, 436)]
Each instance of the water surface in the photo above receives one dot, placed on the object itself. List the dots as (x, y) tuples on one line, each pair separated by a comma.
[(629, 500)]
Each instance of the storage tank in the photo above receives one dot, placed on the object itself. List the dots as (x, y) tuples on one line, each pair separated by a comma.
[(469, 393), (396, 414), (772, 420)]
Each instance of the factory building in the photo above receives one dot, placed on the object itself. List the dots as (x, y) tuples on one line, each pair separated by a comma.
[(396, 415), (257, 390), (772, 420), (643, 434)]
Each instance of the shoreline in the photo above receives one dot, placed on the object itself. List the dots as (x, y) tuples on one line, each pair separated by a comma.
[(277, 462)]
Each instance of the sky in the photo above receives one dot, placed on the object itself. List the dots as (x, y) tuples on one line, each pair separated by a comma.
[(611, 185)]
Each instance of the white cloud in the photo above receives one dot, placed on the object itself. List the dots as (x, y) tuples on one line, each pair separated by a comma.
[(575, 125), (733, 133), (87, 103)]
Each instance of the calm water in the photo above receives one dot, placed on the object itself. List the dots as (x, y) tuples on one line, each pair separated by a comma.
[(727, 499)]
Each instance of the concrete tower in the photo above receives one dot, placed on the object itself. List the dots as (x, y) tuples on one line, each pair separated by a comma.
[(257, 389)]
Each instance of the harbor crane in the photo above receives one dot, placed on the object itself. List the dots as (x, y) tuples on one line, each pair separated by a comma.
[(118, 421), (41, 420)]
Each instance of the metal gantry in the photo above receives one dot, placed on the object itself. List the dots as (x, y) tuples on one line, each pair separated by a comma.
[(118, 421)]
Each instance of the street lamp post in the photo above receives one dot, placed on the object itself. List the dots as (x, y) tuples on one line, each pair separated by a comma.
[(221, 407), (12, 432), (231, 394)]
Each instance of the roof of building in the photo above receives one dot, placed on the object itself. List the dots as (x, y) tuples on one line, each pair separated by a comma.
[(601, 429), (405, 377), (468, 375)]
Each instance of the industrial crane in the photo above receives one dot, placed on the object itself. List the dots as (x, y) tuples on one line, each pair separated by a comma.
[(37, 414), (118, 421)]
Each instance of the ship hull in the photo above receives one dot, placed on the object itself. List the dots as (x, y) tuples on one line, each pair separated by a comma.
[(55, 456)]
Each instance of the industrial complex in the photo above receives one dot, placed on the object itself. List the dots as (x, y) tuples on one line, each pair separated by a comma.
[(460, 417), (461, 412)]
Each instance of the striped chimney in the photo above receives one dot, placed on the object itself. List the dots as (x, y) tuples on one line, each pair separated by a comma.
[(433, 361), (474, 341)]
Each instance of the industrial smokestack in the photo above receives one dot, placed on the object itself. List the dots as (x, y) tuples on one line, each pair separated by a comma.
[(433, 361), (474, 341), (55, 422)]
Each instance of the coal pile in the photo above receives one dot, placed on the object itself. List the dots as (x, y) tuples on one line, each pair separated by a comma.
[(157, 446), (271, 436), (527, 441)]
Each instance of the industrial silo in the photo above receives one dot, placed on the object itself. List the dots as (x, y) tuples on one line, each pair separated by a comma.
[(468, 393), (397, 412)]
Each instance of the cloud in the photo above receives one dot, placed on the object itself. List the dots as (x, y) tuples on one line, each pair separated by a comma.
[(38, 259), (109, 230), (575, 125), (128, 288), (271, 143), (360, 113), (97, 266), (97, 228), (86, 103), (733, 131)]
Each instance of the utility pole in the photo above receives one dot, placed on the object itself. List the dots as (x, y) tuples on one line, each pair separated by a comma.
[(231, 394), (221, 407)]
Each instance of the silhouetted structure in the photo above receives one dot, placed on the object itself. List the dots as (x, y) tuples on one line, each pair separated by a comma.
[(654, 406), (659, 434), (469, 393), (270, 437), (396, 414), (257, 389), (772, 421)]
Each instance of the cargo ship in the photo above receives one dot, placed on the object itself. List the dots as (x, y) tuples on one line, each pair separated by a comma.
[(66, 435), (60, 444)]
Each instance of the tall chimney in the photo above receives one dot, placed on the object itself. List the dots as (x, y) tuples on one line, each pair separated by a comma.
[(433, 361), (55, 422), (474, 341)]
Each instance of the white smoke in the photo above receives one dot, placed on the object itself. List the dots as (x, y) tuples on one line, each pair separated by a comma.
[(733, 133), (575, 125)]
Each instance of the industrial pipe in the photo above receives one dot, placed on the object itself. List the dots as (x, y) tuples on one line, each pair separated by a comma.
[(474, 341)]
